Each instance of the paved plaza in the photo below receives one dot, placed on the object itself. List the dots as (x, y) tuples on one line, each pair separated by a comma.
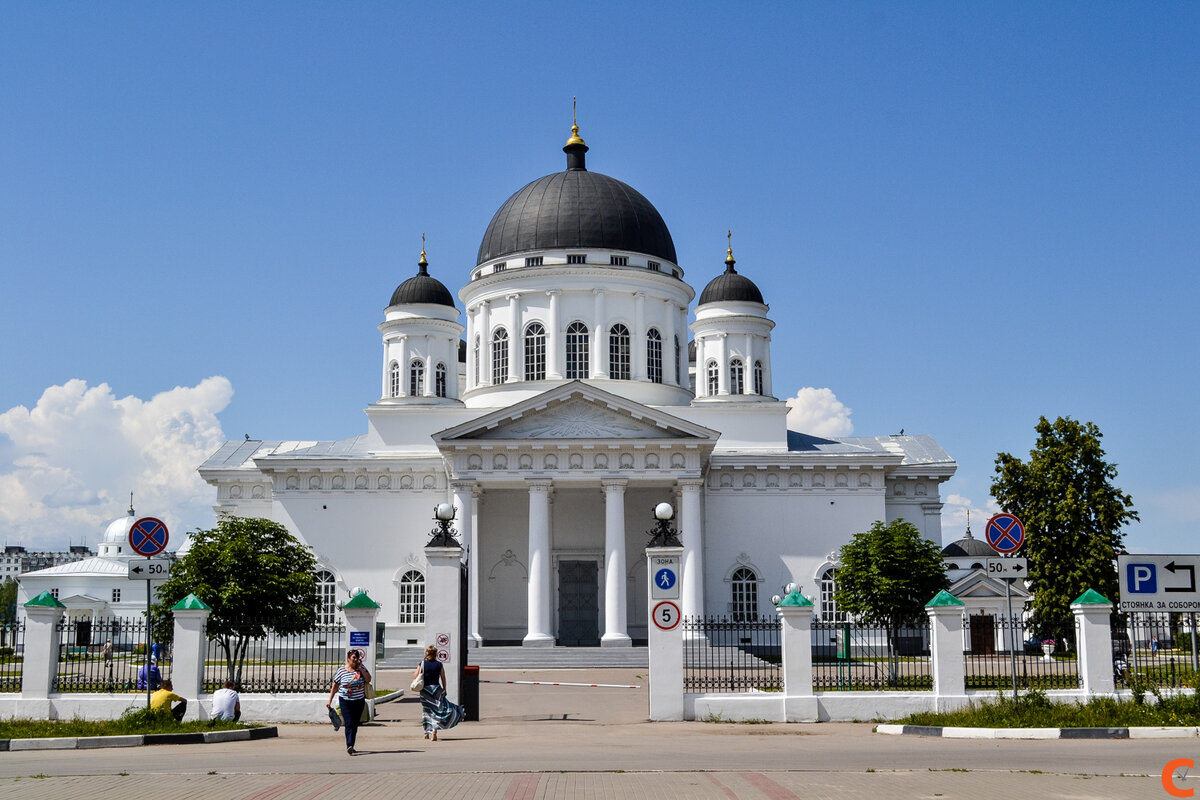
[(567, 742)]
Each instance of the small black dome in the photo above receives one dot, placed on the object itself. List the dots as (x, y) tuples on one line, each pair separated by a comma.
[(422, 288), (968, 546), (729, 286), (576, 208)]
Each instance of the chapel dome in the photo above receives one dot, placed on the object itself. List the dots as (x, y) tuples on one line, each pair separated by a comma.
[(968, 546), (576, 209), (422, 288), (117, 531), (729, 286)]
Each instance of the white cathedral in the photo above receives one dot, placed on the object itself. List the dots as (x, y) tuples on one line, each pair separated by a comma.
[(577, 397)]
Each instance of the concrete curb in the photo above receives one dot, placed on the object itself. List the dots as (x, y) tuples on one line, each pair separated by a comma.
[(95, 742), (1039, 733)]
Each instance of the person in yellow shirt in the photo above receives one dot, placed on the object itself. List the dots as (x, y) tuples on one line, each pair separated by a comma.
[(164, 697)]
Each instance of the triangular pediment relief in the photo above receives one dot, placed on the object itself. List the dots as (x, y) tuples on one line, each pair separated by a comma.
[(577, 411), (978, 584)]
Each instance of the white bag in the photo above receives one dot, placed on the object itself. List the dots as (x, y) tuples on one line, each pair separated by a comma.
[(418, 683)]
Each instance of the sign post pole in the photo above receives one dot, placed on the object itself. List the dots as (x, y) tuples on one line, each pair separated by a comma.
[(148, 537), (1006, 534)]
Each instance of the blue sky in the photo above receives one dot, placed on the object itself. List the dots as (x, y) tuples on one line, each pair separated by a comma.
[(963, 216)]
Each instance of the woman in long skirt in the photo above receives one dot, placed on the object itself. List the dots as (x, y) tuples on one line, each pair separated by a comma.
[(437, 712)]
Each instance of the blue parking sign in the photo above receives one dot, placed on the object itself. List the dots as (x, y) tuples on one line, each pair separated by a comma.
[(1141, 578)]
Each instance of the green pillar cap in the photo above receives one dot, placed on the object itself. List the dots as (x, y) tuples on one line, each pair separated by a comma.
[(45, 599), (1091, 598), (361, 600), (796, 599), (944, 598), (191, 603)]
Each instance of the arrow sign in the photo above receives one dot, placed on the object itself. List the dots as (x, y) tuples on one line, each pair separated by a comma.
[(151, 569), (1005, 533), (1191, 571), (1011, 567)]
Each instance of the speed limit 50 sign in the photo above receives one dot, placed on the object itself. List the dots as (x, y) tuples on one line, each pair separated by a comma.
[(666, 616)]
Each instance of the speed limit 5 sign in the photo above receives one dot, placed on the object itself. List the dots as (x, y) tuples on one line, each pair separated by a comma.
[(666, 616)]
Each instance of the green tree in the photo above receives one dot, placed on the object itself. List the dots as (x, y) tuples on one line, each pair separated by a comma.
[(256, 577), (1073, 516), (887, 575), (8, 601)]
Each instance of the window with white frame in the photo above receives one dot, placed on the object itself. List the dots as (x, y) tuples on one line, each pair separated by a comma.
[(500, 356), (439, 380), (713, 374), (500, 267), (576, 259), (577, 351), (654, 363), (744, 594), (737, 374), (618, 352), (535, 352), (326, 598), (758, 378), (829, 612), (533, 261), (412, 598), (619, 261), (394, 371), (416, 377), (116, 595), (653, 266)]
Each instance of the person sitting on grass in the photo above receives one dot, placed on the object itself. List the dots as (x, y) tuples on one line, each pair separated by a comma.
[(226, 704), (164, 697)]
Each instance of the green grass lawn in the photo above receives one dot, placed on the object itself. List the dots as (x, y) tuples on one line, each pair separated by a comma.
[(131, 722), (1034, 710)]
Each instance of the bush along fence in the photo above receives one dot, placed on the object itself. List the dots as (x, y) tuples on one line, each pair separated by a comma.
[(811, 671), (62, 668)]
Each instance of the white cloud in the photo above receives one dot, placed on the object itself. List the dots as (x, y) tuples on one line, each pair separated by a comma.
[(67, 466), (818, 412)]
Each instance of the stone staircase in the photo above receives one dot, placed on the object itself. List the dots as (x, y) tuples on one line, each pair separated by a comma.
[(531, 657)]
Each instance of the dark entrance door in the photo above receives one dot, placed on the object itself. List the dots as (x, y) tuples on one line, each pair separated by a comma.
[(578, 611), (983, 634), (83, 632)]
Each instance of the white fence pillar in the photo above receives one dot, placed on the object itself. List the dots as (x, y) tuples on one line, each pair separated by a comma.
[(42, 615), (665, 638), (442, 612), (360, 613), (795, 615), (1093, 620), (189, 650), (946, 649)]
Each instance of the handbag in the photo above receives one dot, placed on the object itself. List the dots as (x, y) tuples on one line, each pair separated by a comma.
[(418, 683)]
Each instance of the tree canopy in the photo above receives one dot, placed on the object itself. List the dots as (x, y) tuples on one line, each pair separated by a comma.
[(254, 574), (8, 601), (1073, 516), (888, 574)]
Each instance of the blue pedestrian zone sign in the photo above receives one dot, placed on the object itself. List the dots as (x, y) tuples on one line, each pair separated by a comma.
[(664, 579)]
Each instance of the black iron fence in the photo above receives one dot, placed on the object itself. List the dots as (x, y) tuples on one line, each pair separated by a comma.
[(849, 656), (723, 654), (303, 662), (1153, 650), (107, 654), (997, 647), (12, 651)]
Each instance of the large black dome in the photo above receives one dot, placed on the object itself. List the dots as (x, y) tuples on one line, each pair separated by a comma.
[(576, 209)]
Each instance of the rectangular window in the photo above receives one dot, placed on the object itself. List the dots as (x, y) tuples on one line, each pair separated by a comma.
[(533, 261), (116, 595), (500, 268), (54, 592), (576, 259), (653, 265), (619, 261)]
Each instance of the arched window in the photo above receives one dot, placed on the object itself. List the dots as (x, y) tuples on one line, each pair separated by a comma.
[(412, 598), (829, 612), (654, 362), (713, 375), (326, 598), (744, 587), (394, 375), (737, 383), (758, 378), (535, 352), (475, 356), (618, 352), (439, 380), (678, 363), (416, 377), (500, 356), (577, 351)]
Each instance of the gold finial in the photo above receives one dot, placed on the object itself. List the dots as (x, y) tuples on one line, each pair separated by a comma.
[(575, 137), (422, 263), (729, 251)]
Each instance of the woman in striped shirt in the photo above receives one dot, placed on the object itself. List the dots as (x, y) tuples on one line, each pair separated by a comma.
[(350, 685)]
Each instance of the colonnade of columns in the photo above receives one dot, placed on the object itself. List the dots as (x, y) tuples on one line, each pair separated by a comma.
[(539, 595)]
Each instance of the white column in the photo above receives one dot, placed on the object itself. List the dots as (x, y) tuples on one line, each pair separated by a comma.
[(665, 641), (472, 329), (768, 390), (722, 364), (637, 349), (188, 651), (615, 601), (442, 598), (451, 350), (484, 329), (555, 336), (682, 330), (516, 370), (691, 530), (669, 375), (599, 336), (403, 362), (795, 614), (748, 366), (946, 651), (538, 634), (464, 514), (430, 365), (1093, 621), (40, 663)]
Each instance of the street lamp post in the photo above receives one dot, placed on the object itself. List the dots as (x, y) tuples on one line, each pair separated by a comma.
[(443, 535), (662, 534)]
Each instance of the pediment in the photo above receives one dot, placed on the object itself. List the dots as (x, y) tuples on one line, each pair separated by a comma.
[(577, 411), (978, 585)]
